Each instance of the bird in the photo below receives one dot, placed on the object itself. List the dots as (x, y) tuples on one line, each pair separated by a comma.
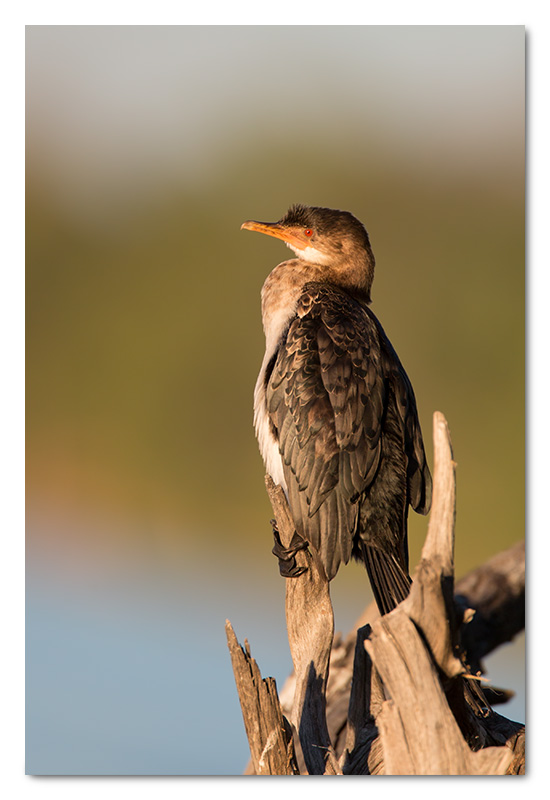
[(335, 413)]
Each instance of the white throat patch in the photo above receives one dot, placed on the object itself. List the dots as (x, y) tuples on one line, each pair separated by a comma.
[(310, 254)]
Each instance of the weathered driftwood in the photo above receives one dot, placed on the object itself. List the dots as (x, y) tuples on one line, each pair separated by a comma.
[(269, 733), (413, 709), (419, 734)]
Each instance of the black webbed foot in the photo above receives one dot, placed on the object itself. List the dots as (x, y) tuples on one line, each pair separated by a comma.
[(286, 555)]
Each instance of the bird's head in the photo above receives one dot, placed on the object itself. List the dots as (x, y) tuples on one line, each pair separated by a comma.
[(327, 238)]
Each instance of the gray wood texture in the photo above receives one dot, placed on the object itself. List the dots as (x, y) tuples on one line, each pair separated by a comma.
[(269, 733)]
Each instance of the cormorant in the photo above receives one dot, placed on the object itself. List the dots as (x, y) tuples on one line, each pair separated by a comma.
[(334, 411)]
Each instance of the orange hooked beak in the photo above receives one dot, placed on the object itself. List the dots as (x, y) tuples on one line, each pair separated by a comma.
[(292, 236)]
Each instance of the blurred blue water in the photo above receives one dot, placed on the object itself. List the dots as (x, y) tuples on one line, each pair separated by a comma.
[(505, 669), (135, 677), (112, 696)]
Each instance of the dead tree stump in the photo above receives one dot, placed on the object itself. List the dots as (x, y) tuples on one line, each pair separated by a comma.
[(268, 732), (406, 700)]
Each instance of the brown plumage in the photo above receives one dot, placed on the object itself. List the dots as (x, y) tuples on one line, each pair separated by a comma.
[(335, 412)]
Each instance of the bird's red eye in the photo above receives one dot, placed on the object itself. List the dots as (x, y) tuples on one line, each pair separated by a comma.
[(308, 232)]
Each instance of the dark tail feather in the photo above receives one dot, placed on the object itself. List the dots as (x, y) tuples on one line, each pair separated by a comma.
[(389, 581)]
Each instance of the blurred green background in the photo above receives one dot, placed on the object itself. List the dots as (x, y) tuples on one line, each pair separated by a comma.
[(146, 513)]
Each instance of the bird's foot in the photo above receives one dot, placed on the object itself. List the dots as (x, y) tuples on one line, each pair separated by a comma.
[(287, 555)]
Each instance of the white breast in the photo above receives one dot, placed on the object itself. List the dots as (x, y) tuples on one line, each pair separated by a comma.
[(269, 447), (280, 294)]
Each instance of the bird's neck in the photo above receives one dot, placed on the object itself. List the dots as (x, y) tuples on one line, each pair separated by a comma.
[(280, 294), (283, 287)]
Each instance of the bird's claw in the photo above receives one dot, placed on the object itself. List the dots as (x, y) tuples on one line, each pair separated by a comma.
[(287, 555)]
